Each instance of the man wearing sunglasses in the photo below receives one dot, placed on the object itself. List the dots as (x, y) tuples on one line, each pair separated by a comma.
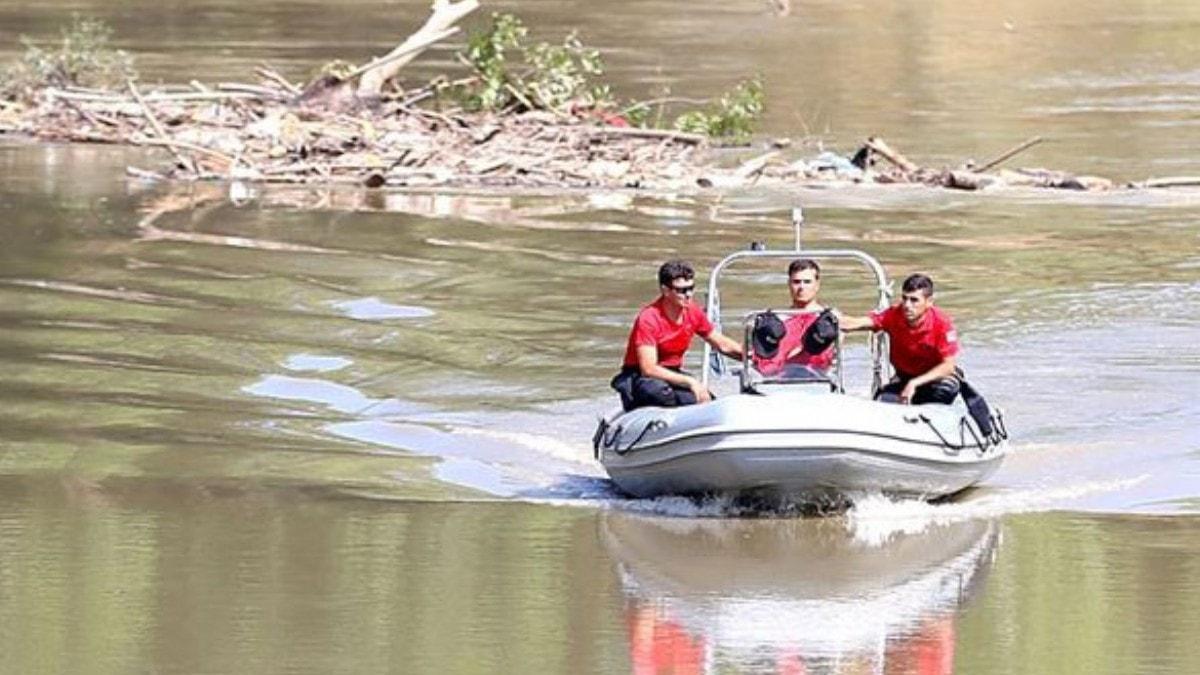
[(924, 345), (651, 374)]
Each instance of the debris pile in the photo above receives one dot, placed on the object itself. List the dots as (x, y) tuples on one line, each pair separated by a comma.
[(259, 133), (548, 128)]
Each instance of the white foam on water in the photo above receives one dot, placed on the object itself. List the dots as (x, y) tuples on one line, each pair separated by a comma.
[(683, 507), (874, 519), (542, 444)]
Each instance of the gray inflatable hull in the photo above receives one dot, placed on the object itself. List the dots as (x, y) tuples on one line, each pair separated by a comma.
[(796, 444)]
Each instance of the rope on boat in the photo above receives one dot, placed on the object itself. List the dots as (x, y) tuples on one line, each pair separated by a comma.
[(612, 441), (985, 443)]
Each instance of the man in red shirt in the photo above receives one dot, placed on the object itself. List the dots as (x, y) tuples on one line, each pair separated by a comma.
[(804, 283), (652, 371), (924, 345)]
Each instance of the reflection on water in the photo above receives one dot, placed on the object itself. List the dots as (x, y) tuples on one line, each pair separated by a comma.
[(190, 575), (793, 596), (315, 362), (374, 309)]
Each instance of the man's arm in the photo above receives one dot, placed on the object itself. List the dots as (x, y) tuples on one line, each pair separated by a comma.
[(943, 369), (726, 345), (647, 356), (849, 324)]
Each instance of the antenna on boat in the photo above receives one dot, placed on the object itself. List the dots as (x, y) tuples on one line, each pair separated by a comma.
[(798, 224)]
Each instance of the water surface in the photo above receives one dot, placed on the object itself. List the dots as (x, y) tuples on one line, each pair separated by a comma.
[(330, 430)]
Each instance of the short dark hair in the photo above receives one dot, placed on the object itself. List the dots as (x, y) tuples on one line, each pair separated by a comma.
[(801, 264), (675, 269), (918, 282)]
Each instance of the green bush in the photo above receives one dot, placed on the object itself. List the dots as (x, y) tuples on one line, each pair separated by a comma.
[(513, 74), (541, 76), (82, 58), (488, 53), (733, 116)]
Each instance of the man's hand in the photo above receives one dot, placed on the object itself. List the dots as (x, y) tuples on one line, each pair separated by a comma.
[(699, 391), (849, 324), (726, 345), (907, 393)]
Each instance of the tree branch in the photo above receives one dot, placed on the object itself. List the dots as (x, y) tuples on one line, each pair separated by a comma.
[(439, 26)]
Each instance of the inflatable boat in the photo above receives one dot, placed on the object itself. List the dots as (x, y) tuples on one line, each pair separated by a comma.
[(796, 435)]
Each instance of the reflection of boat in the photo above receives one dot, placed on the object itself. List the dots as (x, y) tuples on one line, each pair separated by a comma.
[(807, 588), (800, 438)]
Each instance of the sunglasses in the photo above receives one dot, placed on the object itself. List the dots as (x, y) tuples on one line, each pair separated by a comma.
[(683, 290)]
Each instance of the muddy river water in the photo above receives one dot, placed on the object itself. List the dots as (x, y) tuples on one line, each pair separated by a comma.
[(291, 431)]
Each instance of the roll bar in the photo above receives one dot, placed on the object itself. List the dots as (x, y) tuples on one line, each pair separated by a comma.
[(712, 361)]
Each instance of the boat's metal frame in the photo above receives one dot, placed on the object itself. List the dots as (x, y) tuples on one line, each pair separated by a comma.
[(877, 342)]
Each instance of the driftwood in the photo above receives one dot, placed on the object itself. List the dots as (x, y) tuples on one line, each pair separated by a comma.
[(156, 97), (185, 162), (656, 134), (1170, 182), (271, 75), (340, 92), (754, 168), (905, 170), (1009, 154), (969, 180), (877, 145), (440, 25)]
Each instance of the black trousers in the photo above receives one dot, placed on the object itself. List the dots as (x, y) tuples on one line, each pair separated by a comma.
[(938, 391), (638, 391)]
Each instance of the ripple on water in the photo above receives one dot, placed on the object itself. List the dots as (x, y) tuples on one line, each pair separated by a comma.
[(317, 363), (374, 309), (337, 397)]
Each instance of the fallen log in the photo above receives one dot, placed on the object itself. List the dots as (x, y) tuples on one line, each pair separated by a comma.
[(271, 75), (185, 162), (440, 25), (195, 96), (637, 132), (1170, 182), (969, 180), (191, 147), (261, 92), (340, 93), (1008, 154), (753, 168), (877, 145)]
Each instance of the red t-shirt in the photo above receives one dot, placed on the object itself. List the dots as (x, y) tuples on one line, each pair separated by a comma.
[(653, 328), (915, 350), (793, 338)]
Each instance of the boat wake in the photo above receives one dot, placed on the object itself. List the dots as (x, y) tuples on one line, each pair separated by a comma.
[(873, 518), (877, 518), (542, 456)]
